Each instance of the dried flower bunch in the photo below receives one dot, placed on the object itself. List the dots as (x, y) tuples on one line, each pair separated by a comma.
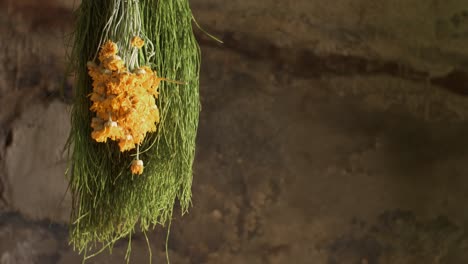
[(124, 101), (128, 121)]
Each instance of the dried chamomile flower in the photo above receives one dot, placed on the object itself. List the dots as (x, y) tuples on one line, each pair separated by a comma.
[(137, 42), (124, 102), (137, 167)]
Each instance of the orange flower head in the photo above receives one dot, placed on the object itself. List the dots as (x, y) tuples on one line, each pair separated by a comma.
[(107, 50), (137, 42), (137, 167), (113, 63), (111, 130), (124, 102)]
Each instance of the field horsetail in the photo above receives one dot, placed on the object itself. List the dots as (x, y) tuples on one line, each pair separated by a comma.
[(134, 118)]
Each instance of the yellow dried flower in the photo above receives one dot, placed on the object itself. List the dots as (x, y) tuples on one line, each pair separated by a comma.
[(124, 102), (107, 50), (113, 63), (137, 42), (111, 130), (137, 167)]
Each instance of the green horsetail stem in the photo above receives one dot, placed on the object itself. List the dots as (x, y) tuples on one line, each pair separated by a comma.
[(108, 202)]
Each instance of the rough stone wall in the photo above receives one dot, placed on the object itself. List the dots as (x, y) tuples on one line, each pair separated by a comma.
[(331, 132)]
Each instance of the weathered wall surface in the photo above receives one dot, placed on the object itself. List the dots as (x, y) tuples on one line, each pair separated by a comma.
[(331, 132), (430, 34)]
